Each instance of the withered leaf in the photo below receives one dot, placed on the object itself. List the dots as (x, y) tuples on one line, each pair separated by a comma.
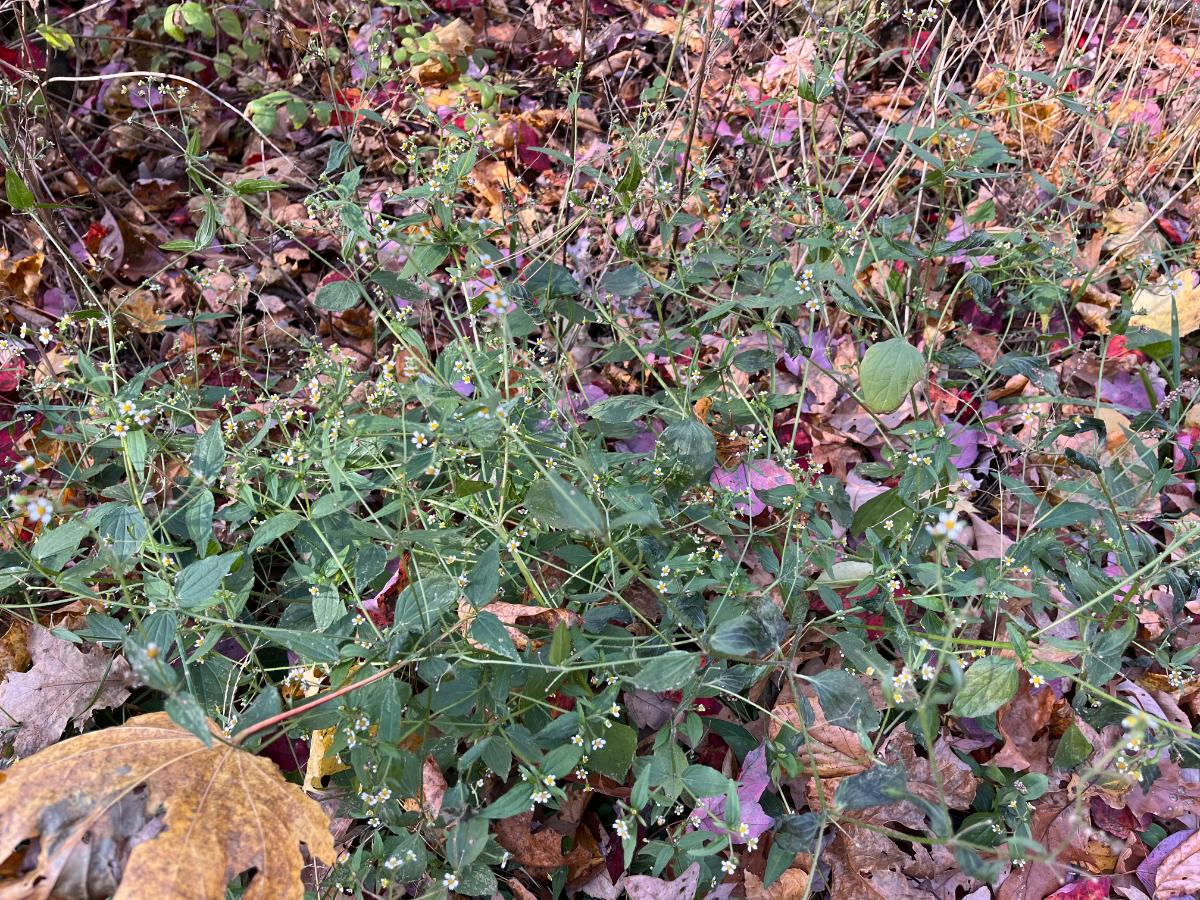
[(1179, 873), (223, 811), (647, 887), (536, 849), (64, 684)]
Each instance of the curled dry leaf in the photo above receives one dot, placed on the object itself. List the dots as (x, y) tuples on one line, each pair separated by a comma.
[(452, 39), (220, 812), (433, 787), (64, 685)]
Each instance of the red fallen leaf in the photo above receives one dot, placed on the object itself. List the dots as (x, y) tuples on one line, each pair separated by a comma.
[(560, 701), (527, 138), (26, 58), (11, 374), (556, 58), (1176, 231), (290, 754), (705, 706), (1119, 823), (1083, 889), (800, 441), (93, 236), (346, 106), (1118, 349), (920, 48)]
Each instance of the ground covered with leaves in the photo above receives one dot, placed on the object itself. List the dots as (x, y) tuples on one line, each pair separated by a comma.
[(600, 448)]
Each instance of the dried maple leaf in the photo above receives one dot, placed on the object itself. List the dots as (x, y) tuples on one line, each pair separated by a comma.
[(64, 684), (223, 811)]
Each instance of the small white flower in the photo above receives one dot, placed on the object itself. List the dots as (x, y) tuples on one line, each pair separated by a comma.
[(1036, 680), (729, 866), (39, 510), (26, 464), (577, 740), (928, 671), (119, 429), (420, 440), (621, 827), (450, 881), (597, 743), (126, 408), (44, 335)]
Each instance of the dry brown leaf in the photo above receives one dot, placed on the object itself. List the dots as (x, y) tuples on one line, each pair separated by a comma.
[(21, 277), (64, 685), (829, 751), (1179, 872), (514, 614), (433, 787), (1023, 721), (1152, 305), (536, 849), (647, 887), (14, 649), (453, 39), (222, 810), (791, 885), (1129, 231)]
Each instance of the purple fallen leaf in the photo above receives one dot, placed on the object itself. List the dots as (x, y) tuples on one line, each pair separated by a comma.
[(1147, 871), (647, 887), (752, 782), (748, 479)]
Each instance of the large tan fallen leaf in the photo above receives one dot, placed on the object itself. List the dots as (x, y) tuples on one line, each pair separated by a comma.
[(1152, 305), (218, 811), (64, 685), (1179, 873)]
